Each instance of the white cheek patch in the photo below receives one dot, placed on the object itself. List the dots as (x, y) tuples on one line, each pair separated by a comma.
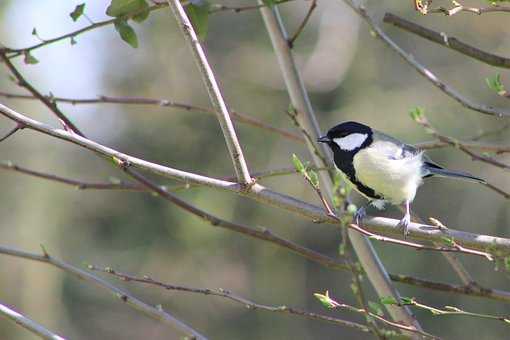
[(351, 142)]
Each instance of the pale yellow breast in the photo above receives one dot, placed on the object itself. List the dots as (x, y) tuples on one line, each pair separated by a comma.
[(379, 168)]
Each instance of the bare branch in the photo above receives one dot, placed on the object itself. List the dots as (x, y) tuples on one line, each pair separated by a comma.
[(470, 290), (236, 298), (458, 8), (28, 324), (447, 41), (301, 27), (379, 225), (240, 117), (123, 296), (234, 148), (51, 105), (445, 88), (306, 118)]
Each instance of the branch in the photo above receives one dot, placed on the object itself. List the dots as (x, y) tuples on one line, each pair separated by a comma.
[(51, 105), (241, 117), (423, 121), (307, 119), (28, 324), (470, 290), (231, 296), (301, 27), (458, 8), (123, 296), (380, 225), (447, 41), (330, 303), (426, 73), (451, 310), (215, 95), (261, 234)]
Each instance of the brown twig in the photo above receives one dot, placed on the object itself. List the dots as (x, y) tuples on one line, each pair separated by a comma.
[(333, 304), (229, 295), (470, 290), (122, 295), (68, 125), (447, 41), (240, 117), (458, 8), (425, 72), (301, 27), (455, 247)]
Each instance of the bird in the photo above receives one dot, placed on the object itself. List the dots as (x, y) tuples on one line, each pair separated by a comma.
[(382, 168)]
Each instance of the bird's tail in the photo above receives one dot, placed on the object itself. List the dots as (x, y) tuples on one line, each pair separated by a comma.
[(435, 170)]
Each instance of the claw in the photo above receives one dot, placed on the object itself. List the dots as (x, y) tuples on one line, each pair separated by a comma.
[(360, 215), (405, 221), (404, 224)]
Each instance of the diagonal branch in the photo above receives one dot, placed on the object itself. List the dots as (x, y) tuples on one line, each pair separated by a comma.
[(233, 297), (123, 296), (215, 95), (447, 41), (306, 118), (51, 105), (425, 72), (28, 324), (240, 117)]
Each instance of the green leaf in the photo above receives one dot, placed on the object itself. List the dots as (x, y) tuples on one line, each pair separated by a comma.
[(29, 59), (120, 8), (448, 241), (126, 32), (34, 31), (77, 12), (494, 83), (376, 308), (388, 300), (298, 164), (325, 300), (407, 300), (506, 260), (269, 3), (199, 16), (417, 113)]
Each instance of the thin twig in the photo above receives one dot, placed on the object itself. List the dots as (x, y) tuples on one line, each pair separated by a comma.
[(222, 113), (458, 8), (123, 296), (12, 132), (241, 117), (302, 26), (451, 310), (306, 118), (425, 72), (469, 290), (51, 105), (447, 41), (333, 304), (233, 297), (423, 121), (28, 324)]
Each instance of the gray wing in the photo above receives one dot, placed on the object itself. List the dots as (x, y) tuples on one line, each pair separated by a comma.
[(407, 150)]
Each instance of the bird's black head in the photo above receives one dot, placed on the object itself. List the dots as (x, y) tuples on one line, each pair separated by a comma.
[(348, 137)]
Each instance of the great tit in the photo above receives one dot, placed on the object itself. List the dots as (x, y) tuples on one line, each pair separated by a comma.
[(382, 168)]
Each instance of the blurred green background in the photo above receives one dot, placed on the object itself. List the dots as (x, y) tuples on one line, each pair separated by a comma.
[(350, 75)]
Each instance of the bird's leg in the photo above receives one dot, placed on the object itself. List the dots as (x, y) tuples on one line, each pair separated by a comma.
[(360, 215), (406, 220)]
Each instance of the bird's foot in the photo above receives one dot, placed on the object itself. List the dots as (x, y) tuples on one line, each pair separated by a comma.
[(404, 224), (360, 214)]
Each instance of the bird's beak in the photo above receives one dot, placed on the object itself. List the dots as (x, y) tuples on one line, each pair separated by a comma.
[(323, 139)]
